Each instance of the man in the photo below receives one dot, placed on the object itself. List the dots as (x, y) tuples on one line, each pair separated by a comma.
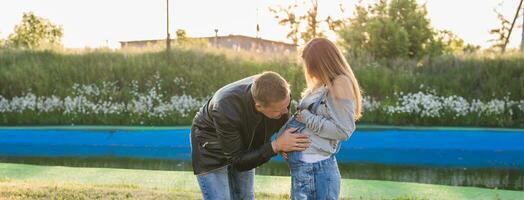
[(231, 135)]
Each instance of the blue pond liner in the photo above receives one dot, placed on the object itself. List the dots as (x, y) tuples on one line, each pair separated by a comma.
[(475, 148)]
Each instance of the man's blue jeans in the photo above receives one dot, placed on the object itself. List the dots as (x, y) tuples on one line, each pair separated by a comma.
[(227, 183)]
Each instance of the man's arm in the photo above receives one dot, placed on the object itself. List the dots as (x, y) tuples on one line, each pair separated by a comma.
[(227, 125), (227, 120)]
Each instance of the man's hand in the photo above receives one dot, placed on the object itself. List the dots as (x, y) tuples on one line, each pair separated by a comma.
[(289, 141)]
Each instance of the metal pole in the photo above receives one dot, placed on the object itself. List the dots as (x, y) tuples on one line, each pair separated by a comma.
[(216, 38), (168, 40)]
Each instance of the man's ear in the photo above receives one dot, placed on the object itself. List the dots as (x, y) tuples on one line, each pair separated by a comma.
[(258, 105)]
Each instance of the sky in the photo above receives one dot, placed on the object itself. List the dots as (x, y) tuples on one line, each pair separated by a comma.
[(99, 23)]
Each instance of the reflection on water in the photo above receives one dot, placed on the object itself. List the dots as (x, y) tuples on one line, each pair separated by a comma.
[(512, 179), (468, 157)]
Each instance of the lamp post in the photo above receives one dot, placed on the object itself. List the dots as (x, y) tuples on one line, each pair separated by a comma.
[(216, 38), (168, 40)]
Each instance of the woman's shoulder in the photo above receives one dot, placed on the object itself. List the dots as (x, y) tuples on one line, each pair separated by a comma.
[(342, 88)]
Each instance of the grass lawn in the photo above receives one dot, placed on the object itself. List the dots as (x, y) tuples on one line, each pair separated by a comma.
[(20, 181)]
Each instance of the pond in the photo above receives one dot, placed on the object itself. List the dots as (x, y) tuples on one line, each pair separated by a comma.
[(451, 156)]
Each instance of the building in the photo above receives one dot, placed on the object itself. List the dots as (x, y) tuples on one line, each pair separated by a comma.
[(235, 42)]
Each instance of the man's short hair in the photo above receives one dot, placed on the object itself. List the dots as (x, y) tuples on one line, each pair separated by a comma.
[(269, 87)]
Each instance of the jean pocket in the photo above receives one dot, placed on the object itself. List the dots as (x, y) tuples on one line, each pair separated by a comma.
[(302, 182)]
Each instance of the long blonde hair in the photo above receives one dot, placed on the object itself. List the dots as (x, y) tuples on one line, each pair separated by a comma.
[(323, 63)]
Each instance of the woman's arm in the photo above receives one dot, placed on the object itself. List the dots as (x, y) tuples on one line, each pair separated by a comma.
[(341, 104)]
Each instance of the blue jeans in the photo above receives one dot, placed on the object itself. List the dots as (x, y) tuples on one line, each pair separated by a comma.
[(293, 123), (320, 180), (227, 183)]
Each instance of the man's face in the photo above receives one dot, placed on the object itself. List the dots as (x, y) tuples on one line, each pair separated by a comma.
[(274, 110)]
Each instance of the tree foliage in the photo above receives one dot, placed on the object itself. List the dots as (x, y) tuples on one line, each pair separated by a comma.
[(385, 30), (393, 29), (35, 32), (500, 33), (304, 27)]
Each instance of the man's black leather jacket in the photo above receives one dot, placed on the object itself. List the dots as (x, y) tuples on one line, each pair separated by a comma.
[(223, 131)]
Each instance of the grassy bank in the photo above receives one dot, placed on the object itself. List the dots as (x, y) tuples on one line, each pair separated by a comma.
[(132, 88), (28, 181), (199, 73)]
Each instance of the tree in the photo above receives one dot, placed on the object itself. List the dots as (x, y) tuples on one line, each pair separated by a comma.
[(500, 33), (183, 40), (2, 42), (452, 42), (412, 18), (34, 32), (312, 24), (181, 36), (287, 16), (388, 29), (446, 42), (354, 39), (387, 38), (471, 48)]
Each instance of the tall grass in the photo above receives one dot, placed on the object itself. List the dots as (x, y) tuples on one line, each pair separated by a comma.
[(479, 76), (195, 73), (198, 73)]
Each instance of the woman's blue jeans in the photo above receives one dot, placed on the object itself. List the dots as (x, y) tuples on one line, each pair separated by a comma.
[(293, 123), (320, 180)]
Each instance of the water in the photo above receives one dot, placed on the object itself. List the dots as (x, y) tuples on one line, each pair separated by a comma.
[(485, 158)]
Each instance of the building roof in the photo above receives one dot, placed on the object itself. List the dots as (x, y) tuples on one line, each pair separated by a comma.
[(212, 37)]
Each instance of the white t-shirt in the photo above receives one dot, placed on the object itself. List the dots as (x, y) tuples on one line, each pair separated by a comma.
[(312, 158)]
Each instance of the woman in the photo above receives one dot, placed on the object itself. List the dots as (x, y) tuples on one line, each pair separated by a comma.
[(327, 112)]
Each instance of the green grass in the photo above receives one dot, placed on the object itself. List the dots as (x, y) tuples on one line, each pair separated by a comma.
[(200, 72), (30, 182), (44, 190), (203, 71)]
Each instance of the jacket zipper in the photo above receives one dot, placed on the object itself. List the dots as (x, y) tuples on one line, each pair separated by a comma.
[(206, 143), (265, 131)]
